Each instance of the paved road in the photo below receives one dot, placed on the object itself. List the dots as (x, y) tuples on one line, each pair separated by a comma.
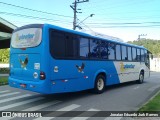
[(124, 97)]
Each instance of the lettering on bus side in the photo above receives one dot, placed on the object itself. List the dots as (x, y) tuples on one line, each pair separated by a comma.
[(126, 66)]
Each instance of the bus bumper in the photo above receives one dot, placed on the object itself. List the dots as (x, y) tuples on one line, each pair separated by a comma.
[(39, 87)]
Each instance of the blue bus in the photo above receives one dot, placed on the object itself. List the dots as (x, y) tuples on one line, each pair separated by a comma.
[(49, 59)]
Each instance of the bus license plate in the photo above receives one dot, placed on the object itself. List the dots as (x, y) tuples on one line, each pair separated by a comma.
[(23, 85)]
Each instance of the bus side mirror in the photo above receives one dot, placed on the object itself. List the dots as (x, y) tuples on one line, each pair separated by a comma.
[(151, 56)]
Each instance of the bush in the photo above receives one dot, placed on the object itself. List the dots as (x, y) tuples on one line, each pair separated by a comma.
[(4, 70), (4, 55)]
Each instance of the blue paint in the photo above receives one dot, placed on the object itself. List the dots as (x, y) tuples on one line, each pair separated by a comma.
[(67, 78)]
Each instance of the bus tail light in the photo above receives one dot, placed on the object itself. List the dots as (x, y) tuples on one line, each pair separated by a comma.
[(42, 75)]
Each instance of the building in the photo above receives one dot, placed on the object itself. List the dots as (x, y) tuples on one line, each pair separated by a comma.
[(6, 29)]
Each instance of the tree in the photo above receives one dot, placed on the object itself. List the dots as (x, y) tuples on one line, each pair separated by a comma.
[(152, 45), (4, 55)]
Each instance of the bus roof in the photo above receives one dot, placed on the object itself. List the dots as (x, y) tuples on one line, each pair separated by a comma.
[(89, 35), (75, 32)]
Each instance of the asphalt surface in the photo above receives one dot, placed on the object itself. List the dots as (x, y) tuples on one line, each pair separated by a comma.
[(125, 97)]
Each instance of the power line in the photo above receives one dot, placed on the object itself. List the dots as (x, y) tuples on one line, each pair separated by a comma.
[(136, 23), (34, 10), (30, 17), (125, 26)]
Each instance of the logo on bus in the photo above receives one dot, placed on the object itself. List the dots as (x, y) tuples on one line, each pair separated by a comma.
[(24, 62), (126, 66), (27, 36), (80, 68)]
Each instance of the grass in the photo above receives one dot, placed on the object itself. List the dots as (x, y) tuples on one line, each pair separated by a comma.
[(152, 105), (3, 80)]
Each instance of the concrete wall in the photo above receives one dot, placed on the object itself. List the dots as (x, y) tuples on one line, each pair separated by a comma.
[(155, 64), (4, 65)]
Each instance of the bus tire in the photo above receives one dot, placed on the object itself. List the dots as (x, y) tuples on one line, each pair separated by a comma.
[(141, 78), (99, 85)]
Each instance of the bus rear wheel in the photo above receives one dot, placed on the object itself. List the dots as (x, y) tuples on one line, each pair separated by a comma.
[(99, 85), (141, 78)]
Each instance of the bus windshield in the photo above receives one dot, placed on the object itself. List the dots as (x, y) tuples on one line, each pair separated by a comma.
[(30, 37)]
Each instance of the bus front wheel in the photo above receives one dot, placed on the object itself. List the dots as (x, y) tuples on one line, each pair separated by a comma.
[(141, 78), (99, 85)]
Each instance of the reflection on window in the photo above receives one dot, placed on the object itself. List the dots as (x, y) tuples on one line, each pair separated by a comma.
[(118, 52), (111, 51), (129, 54), (103, 50), (63, 45), (142, 55), (84, 48), (138, 55), (145, 55), (57, 44), (124, 53), (94, 49), (134, 54), (71, 46)]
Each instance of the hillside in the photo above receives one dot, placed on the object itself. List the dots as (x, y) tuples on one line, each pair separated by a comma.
[(152, 45)]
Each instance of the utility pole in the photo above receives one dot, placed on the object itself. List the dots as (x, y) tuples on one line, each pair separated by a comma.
[(74, 7)]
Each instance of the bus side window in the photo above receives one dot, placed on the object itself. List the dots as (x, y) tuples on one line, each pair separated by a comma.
[(138, 55), (111, 51), (134, 54), (94, 49), (71, 46), (146, 54), (129, 54), (124, 53), (118, 52), (103, 50), (84, 47), (142, 55), (57, 44)]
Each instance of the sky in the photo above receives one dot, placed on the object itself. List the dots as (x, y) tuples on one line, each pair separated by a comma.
[(125, 19)]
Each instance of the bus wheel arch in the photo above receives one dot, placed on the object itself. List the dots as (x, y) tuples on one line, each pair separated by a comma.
[(141, 77), (99, 83)]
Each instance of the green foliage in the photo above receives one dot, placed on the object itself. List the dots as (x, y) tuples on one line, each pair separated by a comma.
[(4, 55), (152, 45), (4, 70), (152, 105), (3, 80)]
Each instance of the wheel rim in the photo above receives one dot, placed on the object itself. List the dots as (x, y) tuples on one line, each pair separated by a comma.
[(141, 77), (100, 84)]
